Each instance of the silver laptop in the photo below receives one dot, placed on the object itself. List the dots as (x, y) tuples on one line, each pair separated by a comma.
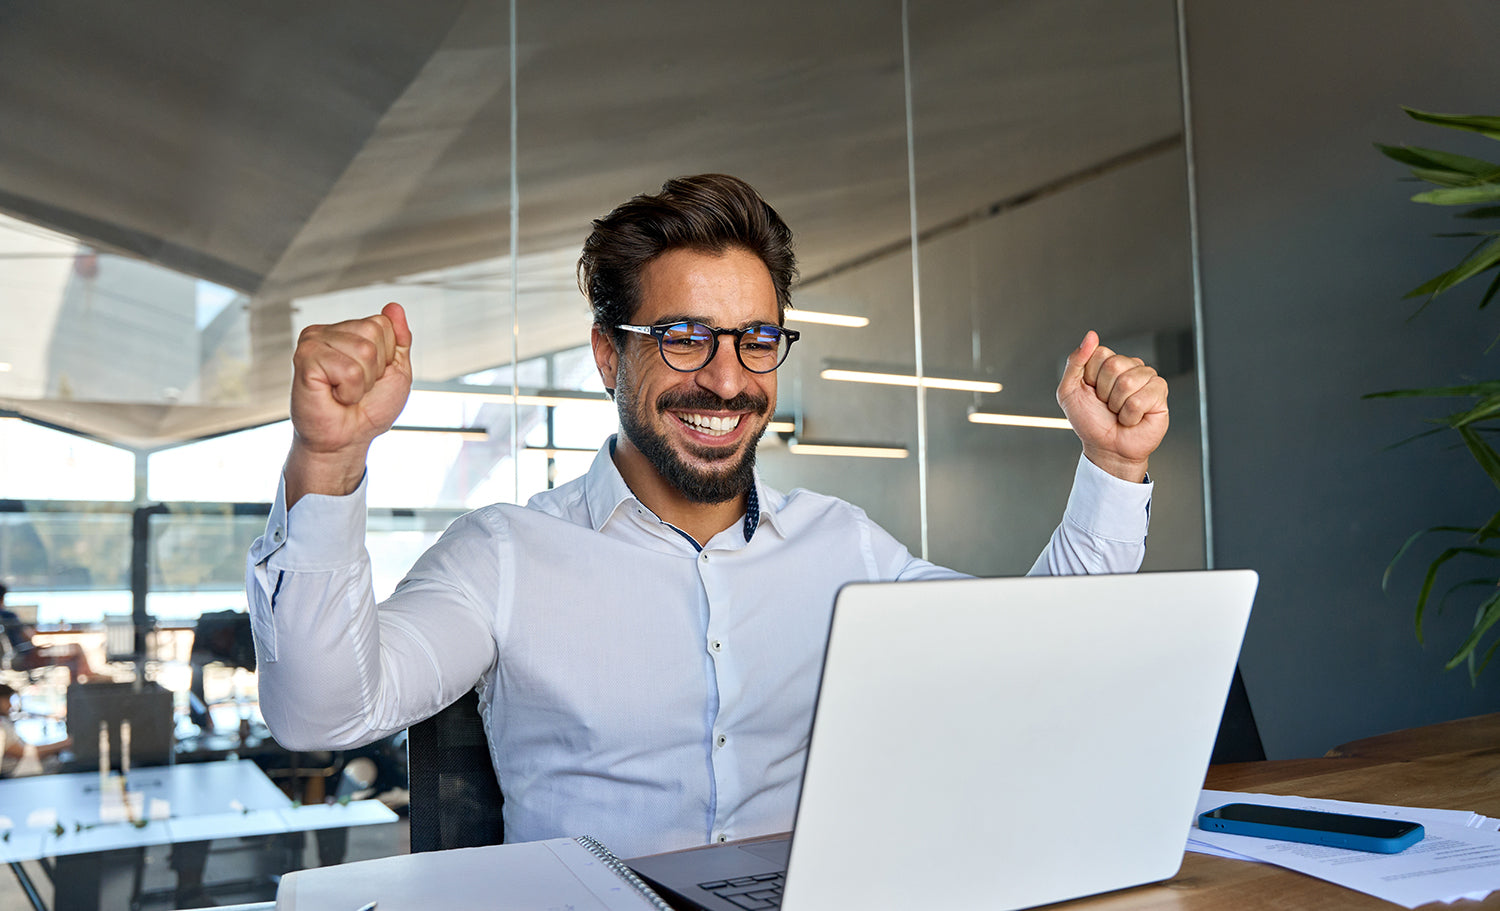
[(995, 744)]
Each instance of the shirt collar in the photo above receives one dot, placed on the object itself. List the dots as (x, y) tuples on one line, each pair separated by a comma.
[(606, 491)]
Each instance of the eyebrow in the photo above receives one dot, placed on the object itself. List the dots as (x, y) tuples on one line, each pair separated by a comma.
[(689, 318)]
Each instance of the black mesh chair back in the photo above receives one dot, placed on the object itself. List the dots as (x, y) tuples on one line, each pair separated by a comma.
[(1239, 736), (455, 797)]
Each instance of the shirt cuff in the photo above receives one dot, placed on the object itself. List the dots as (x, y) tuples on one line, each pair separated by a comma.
[(1109, 507), (319, 534)]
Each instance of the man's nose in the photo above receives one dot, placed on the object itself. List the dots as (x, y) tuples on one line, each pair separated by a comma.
[(724, 375)]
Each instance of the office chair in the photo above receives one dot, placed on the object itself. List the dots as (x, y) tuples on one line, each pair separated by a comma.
[(455, 797), (1239, 737)]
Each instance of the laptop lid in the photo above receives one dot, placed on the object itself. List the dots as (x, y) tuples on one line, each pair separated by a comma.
[(1005, 743)]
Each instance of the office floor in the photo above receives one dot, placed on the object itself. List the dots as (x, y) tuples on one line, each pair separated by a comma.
[(224, 866)]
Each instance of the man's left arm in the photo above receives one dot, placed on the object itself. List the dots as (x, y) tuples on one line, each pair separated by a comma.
[(1118, 408)]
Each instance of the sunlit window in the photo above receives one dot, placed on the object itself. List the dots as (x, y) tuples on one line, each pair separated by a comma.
[(39, 463), (242, 467)]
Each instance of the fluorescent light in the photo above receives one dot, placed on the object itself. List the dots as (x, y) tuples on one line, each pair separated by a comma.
[(5, 367), (1018, 420), (498, 394), (781, 427), (903, 379), (464, 433), (794, 314), (857, 450)]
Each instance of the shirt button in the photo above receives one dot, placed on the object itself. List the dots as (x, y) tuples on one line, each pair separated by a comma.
[(716, 645), (721, 740), (722, 838), (278, 535), (705, 558)]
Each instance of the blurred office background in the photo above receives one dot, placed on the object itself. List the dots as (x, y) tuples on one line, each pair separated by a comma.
[(183, 187)]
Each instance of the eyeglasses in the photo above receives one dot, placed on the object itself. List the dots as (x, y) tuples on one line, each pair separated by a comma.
[(687, 346)]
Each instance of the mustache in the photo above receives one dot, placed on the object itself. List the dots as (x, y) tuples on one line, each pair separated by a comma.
[(703, 400)]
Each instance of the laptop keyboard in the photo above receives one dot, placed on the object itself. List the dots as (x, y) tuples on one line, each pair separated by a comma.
[(752, 893)]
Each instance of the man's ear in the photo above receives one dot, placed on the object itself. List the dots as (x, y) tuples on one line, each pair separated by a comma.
[(606, 357)]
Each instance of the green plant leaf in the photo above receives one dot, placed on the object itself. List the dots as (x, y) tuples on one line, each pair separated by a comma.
[(1416, 436), (1490, 529), (1432, 572), (1458, 586), (1448, 178), (1483, 453), (1491, 387), (1488, 126), (1484, 257), (1486, 409), (1486, 616), (1416, 536), (1475, 672), (1481, 212), (1437, 160), (1460, 196), (1489, 296)]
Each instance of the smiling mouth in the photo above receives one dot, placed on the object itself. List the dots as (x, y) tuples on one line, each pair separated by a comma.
[(710, 425)]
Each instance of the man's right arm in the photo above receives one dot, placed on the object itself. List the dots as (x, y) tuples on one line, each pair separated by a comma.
[(335, 672)]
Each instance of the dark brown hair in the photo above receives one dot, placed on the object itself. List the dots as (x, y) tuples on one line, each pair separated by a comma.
[(708, 212)]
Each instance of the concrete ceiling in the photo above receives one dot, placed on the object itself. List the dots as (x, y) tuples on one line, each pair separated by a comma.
[(289, 150)]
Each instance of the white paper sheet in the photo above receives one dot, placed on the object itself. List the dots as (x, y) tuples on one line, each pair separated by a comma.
[(1458, 858)]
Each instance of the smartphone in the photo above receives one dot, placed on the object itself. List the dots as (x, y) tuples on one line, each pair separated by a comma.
[(1338, 830)]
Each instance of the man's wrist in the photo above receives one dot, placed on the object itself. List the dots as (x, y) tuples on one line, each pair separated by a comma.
[(1122, 468), (334, 474)]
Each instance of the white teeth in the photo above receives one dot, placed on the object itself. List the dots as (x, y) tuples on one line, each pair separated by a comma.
[(715, 425)]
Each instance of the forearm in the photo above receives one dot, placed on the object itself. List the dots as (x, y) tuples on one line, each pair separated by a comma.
[(1103, 529), (335, 671)]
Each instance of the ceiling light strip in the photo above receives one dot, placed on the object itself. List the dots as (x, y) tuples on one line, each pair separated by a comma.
[(903, 379), (1018, 420), (857, 450), (798, 315), (463, 433)]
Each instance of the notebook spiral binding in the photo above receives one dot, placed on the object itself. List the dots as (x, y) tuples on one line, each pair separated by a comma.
[(617, 866)]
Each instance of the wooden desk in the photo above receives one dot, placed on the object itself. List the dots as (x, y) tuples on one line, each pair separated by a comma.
[(1452, 766)]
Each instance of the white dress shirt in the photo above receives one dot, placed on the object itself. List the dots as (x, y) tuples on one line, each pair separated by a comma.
[(634, 687)]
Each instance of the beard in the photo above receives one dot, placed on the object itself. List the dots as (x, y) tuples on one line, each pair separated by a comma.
[(734, 472)]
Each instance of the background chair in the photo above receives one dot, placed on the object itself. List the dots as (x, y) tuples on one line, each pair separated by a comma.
[(1239, 737), (455, 797)]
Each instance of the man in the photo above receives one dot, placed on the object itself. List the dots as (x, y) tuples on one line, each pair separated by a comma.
[(17, 757), (646, 639), (28, 656)]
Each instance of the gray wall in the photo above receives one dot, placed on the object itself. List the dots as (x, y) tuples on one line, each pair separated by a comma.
[(1307, 244), (1111, 254)]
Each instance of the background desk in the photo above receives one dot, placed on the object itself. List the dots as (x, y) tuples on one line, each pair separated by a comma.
[(1453, 766), (206, 801)]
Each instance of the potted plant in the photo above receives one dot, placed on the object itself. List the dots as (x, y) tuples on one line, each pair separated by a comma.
[(1475, 185)]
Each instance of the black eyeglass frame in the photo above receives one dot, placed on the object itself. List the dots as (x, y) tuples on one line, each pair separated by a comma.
[(659, 332)]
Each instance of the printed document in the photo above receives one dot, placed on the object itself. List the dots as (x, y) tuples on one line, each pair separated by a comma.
[(1458, 858)]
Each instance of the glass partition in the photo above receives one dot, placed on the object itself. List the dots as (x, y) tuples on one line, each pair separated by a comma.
[(339, 157), (1052, 192), (804, 101)]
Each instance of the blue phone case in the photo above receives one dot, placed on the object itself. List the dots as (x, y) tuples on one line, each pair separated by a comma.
[(1211, 823)]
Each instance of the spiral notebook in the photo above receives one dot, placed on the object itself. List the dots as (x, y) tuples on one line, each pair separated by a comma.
[(576, 873), (994, 744)]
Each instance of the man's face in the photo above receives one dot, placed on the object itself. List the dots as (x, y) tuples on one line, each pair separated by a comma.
[(699, 429)]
